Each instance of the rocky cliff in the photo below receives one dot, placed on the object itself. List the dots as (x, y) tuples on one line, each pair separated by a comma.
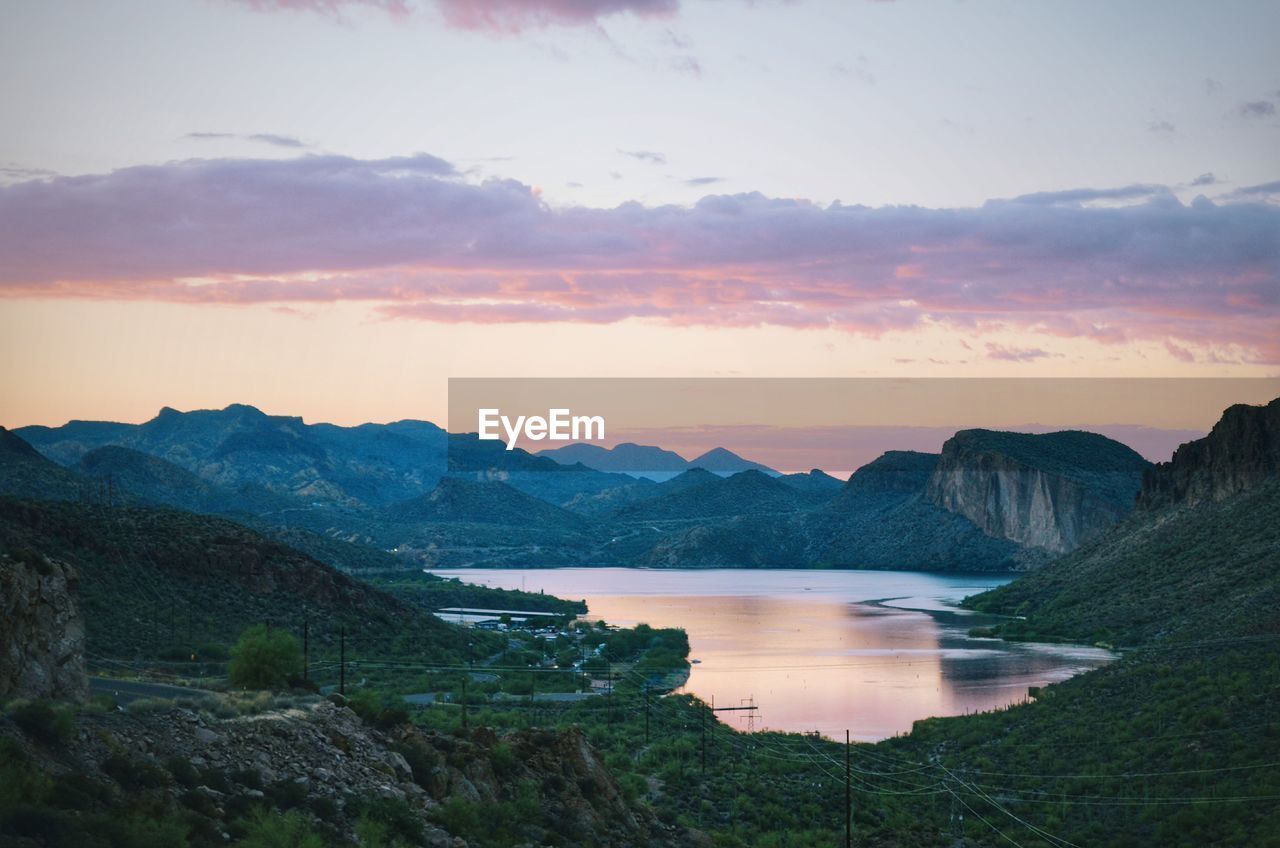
[(1241, 451), (1047, 491), (41, 631)]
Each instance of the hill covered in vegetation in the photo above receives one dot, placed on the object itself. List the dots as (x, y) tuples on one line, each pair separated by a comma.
[(163, 583)]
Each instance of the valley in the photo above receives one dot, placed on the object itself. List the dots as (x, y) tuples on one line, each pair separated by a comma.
[(389, 726)]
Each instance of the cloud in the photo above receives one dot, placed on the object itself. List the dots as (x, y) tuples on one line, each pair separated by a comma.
[(1256, 109), (703, 181), (261, 138), (859, 70), (10, 172), (1178, 352), (1161, 127), (1261, 190), (1015, 354), (1211, 86), (511, 16), (1086, 195), (650, 156), (331, 8), (1205, 179), (414, 239), (493, 16)]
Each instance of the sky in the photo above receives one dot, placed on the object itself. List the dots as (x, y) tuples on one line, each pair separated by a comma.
[(327, 208)]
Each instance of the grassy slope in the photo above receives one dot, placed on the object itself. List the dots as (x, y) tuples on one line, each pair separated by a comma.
[(157, 581), (1183, 573), (1173, 745)]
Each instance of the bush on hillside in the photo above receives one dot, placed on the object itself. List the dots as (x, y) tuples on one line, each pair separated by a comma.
[(265, 658)]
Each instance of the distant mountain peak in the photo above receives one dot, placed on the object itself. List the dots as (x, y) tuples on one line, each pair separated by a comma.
[(723, 460)]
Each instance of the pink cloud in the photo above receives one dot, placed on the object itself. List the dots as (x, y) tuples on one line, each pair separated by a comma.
[(414, 238), (1179, 352), (1015, 354), (495, 16), (511, 16)]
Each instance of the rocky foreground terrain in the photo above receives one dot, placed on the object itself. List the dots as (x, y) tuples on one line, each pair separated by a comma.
[(212, 765), (317, 757)]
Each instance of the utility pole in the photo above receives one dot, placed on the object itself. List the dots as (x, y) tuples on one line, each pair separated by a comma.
[(848, 794), (342, 661), (609, 691), (306, 646), (704, 739), (646, 712)]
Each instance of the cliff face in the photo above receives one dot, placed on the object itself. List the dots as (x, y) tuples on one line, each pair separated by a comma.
[(41, 631), (1051, 491), (1241, 451)]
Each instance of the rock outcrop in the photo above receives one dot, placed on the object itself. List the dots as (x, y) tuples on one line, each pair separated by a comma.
[(1241, 451), (41, 631), (1050, 491)]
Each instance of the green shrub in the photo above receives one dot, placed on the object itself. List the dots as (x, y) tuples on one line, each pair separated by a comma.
[(397, 821), (265, 658), (273, 830), (382, 711), (134, 774), (503, 760), (183, 772), (144, 830), (149, 706), (20, 783), (43, 721), (76, 791)]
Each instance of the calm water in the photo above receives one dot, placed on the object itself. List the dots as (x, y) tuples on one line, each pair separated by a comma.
[(867, 651)]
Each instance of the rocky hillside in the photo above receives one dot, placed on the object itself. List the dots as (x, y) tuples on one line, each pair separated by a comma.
[(186, 775), (1050, 491), (1194, 567), (1242, 450), (41, 630), (883, 519)]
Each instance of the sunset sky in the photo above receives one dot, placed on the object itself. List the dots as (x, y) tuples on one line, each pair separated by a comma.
[(327, 208)]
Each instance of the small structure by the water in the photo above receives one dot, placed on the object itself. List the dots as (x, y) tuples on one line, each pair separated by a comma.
[(491, 618)]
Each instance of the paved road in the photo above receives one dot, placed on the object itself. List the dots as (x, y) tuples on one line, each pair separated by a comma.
[(127, 691)]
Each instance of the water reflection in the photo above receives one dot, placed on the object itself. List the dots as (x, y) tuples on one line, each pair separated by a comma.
[(867, 651)]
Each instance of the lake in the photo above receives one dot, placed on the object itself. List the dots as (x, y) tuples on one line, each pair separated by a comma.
[(866, 651)]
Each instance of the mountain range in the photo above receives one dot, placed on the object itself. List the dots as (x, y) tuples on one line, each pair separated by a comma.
[(412, 493), (1170, 744), (651, 461)]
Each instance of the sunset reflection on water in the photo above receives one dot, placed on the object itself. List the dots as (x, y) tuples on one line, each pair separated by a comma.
[(867, 651)]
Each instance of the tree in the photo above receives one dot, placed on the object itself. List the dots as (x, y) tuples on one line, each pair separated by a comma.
[(265, 658)]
